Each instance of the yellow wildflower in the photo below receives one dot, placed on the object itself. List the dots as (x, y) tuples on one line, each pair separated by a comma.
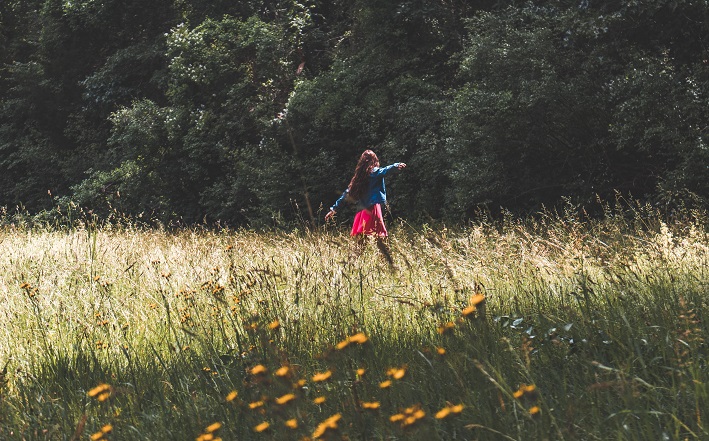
[(322, 376), (101, 388), (477, 299), (329, 424), (527, 391), (262, 427), (282, 371), (445, 327), (285, 399), (213, 427), (443, 413), (358, 338), (458, 408), (397, 373), (256, 404), (258, 370), (397, 417)]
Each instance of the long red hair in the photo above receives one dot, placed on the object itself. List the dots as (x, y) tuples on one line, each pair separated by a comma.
[(359, 184)]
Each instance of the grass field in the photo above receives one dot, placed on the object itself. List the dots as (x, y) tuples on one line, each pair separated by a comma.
[(544, 329)]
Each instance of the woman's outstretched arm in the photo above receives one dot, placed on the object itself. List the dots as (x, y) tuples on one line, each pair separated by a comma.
[(384, 170), (334, 208)]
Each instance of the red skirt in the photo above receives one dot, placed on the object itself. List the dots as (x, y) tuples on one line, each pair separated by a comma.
[(369, 221)]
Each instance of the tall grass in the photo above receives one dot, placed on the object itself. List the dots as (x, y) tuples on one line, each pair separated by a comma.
[(587, 330)]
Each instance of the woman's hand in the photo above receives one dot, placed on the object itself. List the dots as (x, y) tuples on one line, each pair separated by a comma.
[(330, 214), (401, 166)]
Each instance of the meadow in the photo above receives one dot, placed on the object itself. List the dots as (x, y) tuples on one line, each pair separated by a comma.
[(545, 328)]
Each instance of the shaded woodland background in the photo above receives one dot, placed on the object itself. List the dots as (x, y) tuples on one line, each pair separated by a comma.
[(254, 112)]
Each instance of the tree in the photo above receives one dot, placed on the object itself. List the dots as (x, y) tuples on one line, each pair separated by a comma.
[(557, 101), (225, 84)]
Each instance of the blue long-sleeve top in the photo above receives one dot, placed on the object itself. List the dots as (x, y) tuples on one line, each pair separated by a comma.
[(377, 193)]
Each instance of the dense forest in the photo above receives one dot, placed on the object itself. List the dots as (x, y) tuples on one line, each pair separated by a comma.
[(254, 112)]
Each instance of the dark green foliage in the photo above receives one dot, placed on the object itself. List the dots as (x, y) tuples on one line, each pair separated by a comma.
[(255, 112), (563, 101)]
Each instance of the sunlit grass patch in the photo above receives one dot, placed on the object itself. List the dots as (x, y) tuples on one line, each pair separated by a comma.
[(519, 331)]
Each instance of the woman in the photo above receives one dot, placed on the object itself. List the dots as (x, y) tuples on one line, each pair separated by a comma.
[(368, 191)]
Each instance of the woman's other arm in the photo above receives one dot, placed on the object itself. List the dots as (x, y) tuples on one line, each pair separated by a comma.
[(334, 208), (382, 171)]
